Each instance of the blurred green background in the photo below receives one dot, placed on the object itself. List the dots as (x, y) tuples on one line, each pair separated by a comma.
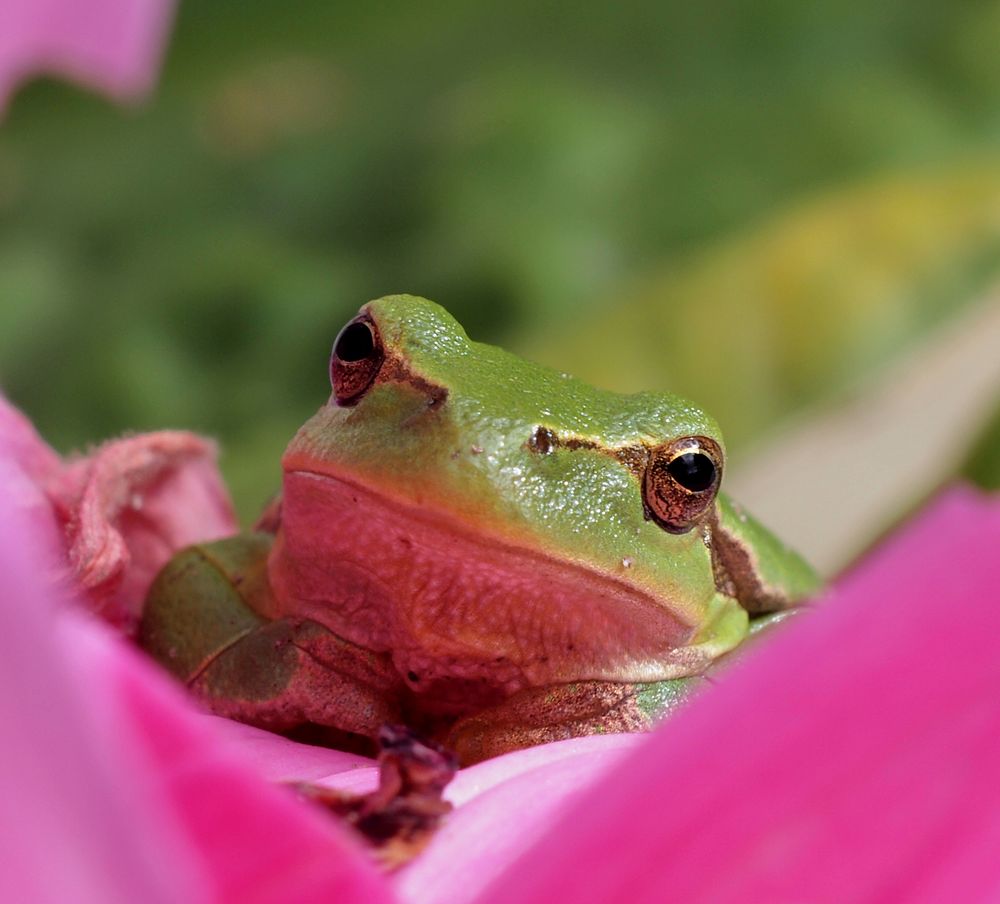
[(749, 203)]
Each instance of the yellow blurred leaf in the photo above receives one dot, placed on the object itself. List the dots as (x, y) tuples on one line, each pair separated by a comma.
[(760, 325)]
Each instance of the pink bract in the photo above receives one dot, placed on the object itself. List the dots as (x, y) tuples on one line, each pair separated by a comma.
[(853, 756), (111, 45)]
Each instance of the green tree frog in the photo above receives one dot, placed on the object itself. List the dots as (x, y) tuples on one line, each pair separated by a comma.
[(488, 550)]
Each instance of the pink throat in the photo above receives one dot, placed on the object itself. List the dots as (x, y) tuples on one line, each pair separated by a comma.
[(452, 603)]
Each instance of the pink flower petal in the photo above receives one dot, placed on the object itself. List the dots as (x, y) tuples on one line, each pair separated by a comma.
[(255, 841), (505, 807), (111, 45), (68, 832), (854, 757), (20, 442), (280, 760), (476, 780), (27, 464), (114, 791), (133, 503), (121, 511)]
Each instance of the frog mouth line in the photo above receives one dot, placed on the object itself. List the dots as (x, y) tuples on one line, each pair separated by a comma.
[(426, 585)]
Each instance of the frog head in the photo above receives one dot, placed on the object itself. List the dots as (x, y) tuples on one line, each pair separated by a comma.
[(483, 516)]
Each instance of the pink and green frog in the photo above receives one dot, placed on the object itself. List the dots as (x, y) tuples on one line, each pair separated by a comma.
[(492, 552)]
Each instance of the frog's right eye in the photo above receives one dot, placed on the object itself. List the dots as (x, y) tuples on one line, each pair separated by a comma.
[(356, 360), (681, 481)]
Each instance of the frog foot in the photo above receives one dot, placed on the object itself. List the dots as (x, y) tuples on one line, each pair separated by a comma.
[(539, 715), (286, 673)]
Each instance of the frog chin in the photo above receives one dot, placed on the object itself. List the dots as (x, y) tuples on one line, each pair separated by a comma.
[(450, 602)]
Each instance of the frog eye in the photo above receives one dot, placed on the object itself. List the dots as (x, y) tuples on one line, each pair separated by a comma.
[(356, 360), (681, 481)]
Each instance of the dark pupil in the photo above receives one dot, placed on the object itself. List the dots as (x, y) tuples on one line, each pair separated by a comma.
[(693, 470), (355, 343)]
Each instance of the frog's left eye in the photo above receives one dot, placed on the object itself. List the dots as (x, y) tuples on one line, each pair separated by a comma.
[(681, 481), (356, 360)]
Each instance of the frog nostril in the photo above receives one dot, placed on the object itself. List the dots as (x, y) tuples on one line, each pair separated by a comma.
[(542, 440)]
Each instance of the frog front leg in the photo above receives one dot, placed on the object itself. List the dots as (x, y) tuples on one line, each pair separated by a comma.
[(203, 622)]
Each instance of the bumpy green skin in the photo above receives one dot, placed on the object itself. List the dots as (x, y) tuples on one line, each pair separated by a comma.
[(447, 427)]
